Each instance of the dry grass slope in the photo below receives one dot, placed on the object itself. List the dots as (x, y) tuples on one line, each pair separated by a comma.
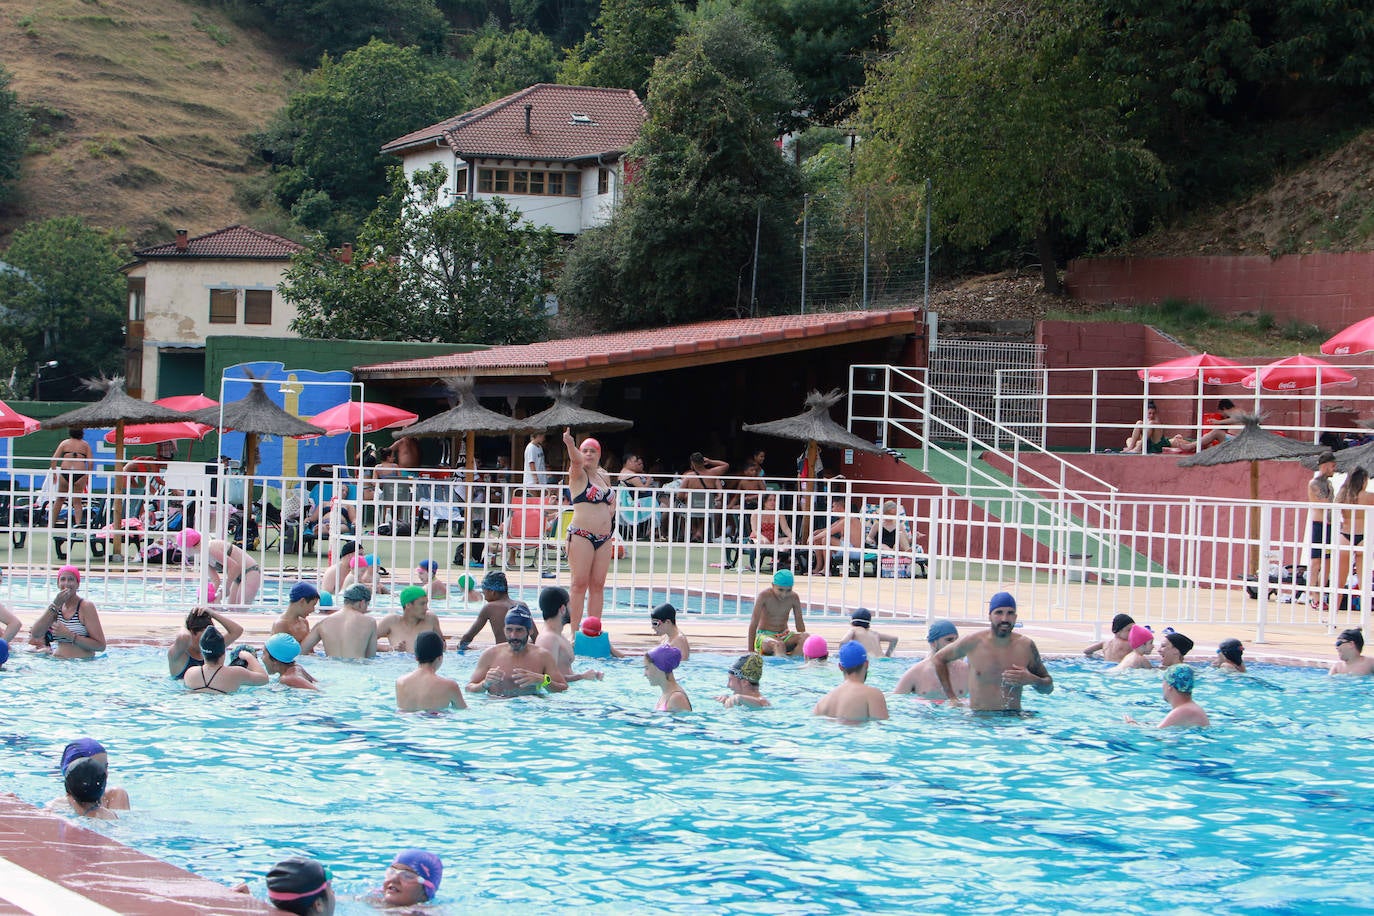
[(143, 109)]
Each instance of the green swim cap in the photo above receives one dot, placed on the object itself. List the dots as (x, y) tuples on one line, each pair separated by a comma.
[(410, 593)]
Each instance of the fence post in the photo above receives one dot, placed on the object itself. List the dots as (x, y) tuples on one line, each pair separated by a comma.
[(1262, 574)]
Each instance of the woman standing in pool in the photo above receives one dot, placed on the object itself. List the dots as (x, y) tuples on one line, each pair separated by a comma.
[(71, 624), (659, 665), (233, 573), (591, 529)]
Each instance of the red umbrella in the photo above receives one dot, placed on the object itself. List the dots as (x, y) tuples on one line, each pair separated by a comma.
[(1357, 338), (1296, 373), (187, 402), (1212, 370), (152, 433), (15, 424), (362, 417)]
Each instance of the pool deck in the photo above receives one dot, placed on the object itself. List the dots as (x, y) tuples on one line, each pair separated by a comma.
[(50, 864)]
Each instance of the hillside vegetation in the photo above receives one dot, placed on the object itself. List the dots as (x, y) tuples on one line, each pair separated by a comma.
[(142, 112)]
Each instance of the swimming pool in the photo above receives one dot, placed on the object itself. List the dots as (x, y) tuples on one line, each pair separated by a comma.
[(588, 800)]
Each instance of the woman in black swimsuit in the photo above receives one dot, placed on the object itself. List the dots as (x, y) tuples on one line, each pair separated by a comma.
[(593, 521)]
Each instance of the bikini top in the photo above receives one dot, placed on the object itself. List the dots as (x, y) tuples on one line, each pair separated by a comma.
[(594, 494)]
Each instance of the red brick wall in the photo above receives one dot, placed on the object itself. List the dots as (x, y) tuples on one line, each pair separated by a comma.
[(1329, 290)]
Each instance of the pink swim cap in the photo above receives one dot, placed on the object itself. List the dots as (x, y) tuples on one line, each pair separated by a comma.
[(1140, 636), (591, 626), (815, 647), (592, 442), (188, 537), (70, 569), (211, 593), (358, 562)]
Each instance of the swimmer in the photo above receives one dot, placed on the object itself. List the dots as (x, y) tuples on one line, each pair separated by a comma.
[(921, 678), (1178, 693), (590, 641), (301, 886), (85, 770), (1173, 647), (1350, 655), (1230, 656), (816, 651), (860, 631), (853, 700), (1000, 662), (215, 676), (743, 681), (663, 620), (423, 690), (1119, 646), (515, 667), (1142, 644), (4, 653), (332, 580), (496, 591), (768, 633), (413, 877), (279, 656), (304, 600), (553, 607), (71, 624), (428, 574), (659, 664), (184, 653), (349, 633), (415, 618), (364, 571), (233, 572)]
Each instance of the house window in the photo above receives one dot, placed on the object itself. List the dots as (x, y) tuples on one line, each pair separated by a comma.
[(603, 181), (520, 182), (137, 292), (528, 181), (224, 306), (555, 182), (257, 306), (572, 183), (460, 183)]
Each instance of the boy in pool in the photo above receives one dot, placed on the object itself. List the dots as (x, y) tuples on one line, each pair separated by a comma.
[(428, 574), (663, 621), (768, 633), (493, 613), (743, 681), (85, 769), (1119, 646), (423, 690), (853, 700), (304, 598), (400, 630), (553, 607), (1178, 692), (861, 631), (921, 678), (515, 667), (349, 633), (279, 656), (1142, 644), (1230, 656), (1350, 655)]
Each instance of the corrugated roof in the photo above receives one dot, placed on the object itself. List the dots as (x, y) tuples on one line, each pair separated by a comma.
[(230, 242), (566, 122), (575, 354)]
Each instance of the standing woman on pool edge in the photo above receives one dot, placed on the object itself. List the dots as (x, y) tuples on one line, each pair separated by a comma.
[(71, 624), (591, 529)]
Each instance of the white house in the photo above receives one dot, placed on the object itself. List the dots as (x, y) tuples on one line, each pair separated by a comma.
[(183, 291), (555, 153)]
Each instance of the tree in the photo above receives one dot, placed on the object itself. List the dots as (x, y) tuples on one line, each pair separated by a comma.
[(1007, 106), (706, 166), (325, 145), (14, 134), (336, 27), (470, 272), (628, 37), (504, 62), (65, 298)]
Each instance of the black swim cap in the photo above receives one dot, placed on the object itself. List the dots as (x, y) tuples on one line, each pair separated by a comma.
[(429, 645), (212, 643), (1183, 644), (1122, 620), (295, 884), (85, 780), (1231, 650), (552, 600), (664, 612), (1356, 636)]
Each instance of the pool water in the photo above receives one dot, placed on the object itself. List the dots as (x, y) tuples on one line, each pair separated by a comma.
[(588, 800)]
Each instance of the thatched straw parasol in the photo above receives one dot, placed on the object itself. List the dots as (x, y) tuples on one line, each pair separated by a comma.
[(567, 413), (115, 409), (815, 428), (1254, 445), (255, 415), (467, 416)]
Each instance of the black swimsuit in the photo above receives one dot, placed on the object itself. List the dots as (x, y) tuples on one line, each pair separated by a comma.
[(210, 680)]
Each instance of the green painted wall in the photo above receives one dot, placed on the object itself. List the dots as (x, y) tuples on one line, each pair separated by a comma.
[(320, 355)]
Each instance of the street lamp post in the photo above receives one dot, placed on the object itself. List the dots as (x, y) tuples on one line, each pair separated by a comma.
[(38, 377)]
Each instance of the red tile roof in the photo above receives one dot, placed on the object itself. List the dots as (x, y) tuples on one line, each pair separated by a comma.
[(566, 122), (232, 242), (718, 338)]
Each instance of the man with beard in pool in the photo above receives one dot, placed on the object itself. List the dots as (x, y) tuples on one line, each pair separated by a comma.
[(1000, 662), (515, 667)]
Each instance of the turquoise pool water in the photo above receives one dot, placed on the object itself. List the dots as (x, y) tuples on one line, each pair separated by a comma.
[(590, 801)]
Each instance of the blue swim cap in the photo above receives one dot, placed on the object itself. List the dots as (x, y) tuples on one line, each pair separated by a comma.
[(303, 591), (783, 578), (4, 651), (1000, 600), (426, 865), (861, 617), (429, 565), (326, 599), (1179, 677), (283, 647), (519, 616), (852, 656), (80, 749), (939, 629)]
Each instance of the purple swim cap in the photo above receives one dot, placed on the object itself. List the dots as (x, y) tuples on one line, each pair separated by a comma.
[(665, 658), (426, 865), (80, 749)]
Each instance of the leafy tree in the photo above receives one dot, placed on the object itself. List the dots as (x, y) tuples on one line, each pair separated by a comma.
[(706, 166), (825, 43), (325, 144), (472, 272), (336, 27), (564, 21), (628, 37), (505, 62), (14, 133), (65, 299), (1005, 104)]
